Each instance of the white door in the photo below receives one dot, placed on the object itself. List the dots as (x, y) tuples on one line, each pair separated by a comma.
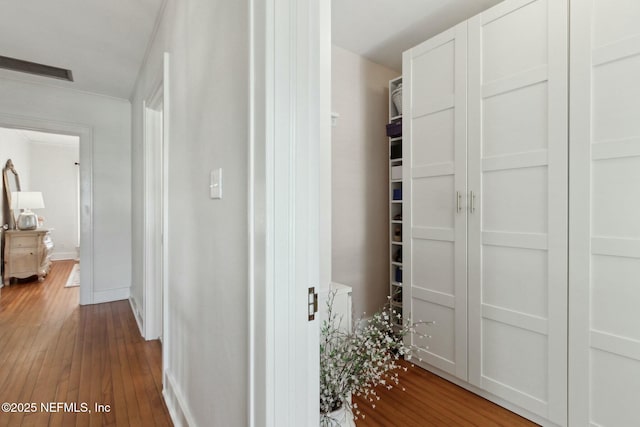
[(518, 219), (604, 349), (435, 276)]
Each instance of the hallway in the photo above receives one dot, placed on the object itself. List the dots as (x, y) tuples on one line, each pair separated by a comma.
[(53, 350)]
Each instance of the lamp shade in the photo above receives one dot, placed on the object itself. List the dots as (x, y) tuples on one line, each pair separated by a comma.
[(27, 200)]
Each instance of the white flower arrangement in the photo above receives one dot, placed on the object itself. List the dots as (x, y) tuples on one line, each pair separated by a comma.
[(356, 362)]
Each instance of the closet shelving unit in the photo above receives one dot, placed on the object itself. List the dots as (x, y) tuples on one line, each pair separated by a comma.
[(395, 206)]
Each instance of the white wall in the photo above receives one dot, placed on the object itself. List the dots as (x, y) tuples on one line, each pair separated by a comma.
[(360, 162), (54, 173), (208, 252), (14, 146), (110, 122)]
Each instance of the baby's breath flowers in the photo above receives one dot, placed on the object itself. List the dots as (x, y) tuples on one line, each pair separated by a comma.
[(356, 362)]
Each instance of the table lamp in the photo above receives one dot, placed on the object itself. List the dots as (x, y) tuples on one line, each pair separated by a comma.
[(27, 200)]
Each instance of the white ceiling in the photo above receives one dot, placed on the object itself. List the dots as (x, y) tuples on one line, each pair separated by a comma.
[(103, 42), (382, 29)]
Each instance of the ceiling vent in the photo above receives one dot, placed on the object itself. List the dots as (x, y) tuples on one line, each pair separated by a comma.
[(34, 68)]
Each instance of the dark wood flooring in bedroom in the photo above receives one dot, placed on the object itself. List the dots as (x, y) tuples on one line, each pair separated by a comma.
[(53, 350)]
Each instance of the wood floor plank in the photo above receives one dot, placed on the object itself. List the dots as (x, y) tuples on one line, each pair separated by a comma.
[(75, 367), (53, 350), (62, 382), (430, 401), (119, 418), (133, 411)]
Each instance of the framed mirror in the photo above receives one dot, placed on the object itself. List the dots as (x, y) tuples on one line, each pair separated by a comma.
[(10, 183)]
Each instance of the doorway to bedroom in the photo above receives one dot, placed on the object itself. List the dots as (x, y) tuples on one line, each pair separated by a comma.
[(45, 181)]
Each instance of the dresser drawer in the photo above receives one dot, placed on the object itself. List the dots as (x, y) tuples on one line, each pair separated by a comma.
[(23, 260), (26, 254), (24, 241)]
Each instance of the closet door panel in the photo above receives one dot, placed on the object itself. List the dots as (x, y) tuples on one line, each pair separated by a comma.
[(614, 21), (503, 367), (435, 139), (604, 264), (436, 269), (504, 266), (515, 200), (614, 395), (441, 337), (616, 97), (615, 302), (434, 126), (434, 71), (612, 205), (516, 121), (518, 230), (432, 202), (513, 39)]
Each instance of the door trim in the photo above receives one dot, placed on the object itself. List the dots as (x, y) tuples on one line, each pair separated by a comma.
[(153, 221), (85, 134), (289, 50), (151, 329)]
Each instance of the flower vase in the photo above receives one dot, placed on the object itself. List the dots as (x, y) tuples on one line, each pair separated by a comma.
[(341, 417)]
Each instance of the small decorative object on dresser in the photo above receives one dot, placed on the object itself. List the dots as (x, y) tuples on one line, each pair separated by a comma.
[(25, 201), (26, 254)]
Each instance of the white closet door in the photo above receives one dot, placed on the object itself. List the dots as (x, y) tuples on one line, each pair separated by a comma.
[(518, 179), (435, 282), (604, 346)]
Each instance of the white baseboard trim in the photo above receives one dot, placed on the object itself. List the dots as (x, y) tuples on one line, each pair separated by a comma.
[(175, 401), (60, 256), (136, 313), (110, 295)]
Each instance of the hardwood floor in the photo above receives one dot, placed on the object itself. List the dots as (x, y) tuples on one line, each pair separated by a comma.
[(53, 350), (429, 400)]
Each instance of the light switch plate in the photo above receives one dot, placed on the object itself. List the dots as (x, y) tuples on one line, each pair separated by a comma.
[(215, 184)]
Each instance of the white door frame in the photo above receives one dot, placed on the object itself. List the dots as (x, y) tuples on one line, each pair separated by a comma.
[(85, 134), (152, 218), (289, 205), (156, 212)]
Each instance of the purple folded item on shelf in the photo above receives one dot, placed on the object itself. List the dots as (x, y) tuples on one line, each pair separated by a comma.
[(394, 129)]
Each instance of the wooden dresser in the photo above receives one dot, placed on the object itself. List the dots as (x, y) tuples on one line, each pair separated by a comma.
[(26, 254)]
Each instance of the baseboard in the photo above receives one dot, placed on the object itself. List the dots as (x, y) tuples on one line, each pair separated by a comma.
[(136, 313), (175, 401), (110, 295), (61, 256)]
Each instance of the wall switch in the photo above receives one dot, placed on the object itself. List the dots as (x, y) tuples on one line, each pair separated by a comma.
[(334, 119), (215, 184)]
